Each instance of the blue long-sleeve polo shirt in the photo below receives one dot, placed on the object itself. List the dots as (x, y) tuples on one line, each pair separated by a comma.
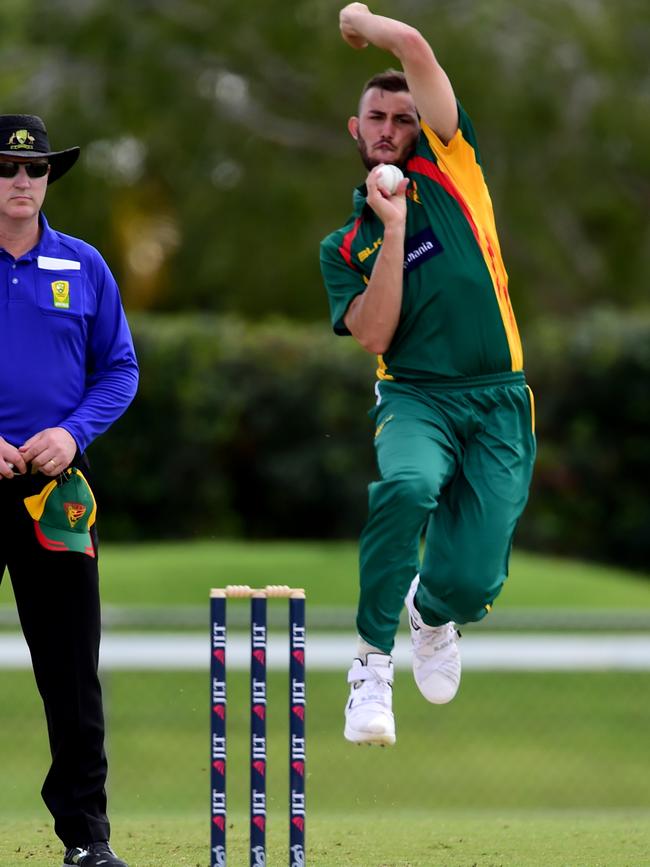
[(66, 353)]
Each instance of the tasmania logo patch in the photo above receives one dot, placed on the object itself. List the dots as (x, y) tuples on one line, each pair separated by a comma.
[(419, 248), (61, 294), (74, 511)]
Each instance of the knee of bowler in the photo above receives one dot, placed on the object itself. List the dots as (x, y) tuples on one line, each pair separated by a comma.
[(416, 490), (470, 602)]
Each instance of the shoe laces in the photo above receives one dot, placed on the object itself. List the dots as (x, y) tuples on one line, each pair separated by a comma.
[(434, 639), (371, 686), (100, 848), (371, 678)]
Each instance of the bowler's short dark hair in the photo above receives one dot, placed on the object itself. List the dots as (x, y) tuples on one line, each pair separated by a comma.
[(392, 80)]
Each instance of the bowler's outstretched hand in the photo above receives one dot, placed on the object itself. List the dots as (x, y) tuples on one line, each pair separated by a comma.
[(349, 32)]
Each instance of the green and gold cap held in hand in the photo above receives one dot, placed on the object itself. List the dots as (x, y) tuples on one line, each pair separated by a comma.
[(64, 512)]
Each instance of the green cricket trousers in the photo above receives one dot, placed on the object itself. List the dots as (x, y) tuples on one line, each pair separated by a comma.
[(455, 463)]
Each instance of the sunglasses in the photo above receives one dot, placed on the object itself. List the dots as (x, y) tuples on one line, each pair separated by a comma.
[(34, 170)]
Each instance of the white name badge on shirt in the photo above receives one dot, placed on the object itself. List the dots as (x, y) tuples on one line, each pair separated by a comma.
[(46, 263)]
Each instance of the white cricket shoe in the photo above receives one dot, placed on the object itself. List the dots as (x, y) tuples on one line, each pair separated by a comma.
[(436, 660), (369, 712)]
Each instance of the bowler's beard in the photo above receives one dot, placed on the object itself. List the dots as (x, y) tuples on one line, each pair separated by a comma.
[(370, 162)]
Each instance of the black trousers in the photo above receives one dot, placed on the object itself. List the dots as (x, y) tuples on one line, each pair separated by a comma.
[(57, 595)]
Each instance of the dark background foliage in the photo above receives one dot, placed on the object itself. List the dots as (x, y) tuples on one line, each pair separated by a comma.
[(215, 158), (215, 154)]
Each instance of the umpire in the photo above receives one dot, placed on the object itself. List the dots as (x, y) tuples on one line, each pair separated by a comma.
[(67, 372)]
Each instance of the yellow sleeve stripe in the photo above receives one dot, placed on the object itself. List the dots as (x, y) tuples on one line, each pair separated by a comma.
[(382, 370)]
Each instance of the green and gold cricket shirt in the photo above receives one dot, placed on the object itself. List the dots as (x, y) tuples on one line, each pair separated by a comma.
[(456, 319)]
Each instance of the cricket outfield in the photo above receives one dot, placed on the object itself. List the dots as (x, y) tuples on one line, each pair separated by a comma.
[(544, 768)]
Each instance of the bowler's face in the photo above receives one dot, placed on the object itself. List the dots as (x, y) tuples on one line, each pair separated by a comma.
[(387, 127), (21, 197)]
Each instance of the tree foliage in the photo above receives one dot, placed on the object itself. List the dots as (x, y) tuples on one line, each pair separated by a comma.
[(214, 159), (215, 154)]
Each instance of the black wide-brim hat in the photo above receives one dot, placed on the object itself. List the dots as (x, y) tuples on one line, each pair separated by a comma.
[(25, 136)]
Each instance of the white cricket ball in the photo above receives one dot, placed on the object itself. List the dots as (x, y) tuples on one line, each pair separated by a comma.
[(389, 178)]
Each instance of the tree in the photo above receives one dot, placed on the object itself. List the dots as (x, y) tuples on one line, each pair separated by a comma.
[(215, 155)]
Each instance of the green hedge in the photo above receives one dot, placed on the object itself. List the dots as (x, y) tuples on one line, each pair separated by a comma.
[(262, 431), (590, 492), (239, 429)]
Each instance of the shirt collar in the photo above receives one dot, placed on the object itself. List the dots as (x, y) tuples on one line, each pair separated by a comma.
[(359, 197), (47, 244)]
